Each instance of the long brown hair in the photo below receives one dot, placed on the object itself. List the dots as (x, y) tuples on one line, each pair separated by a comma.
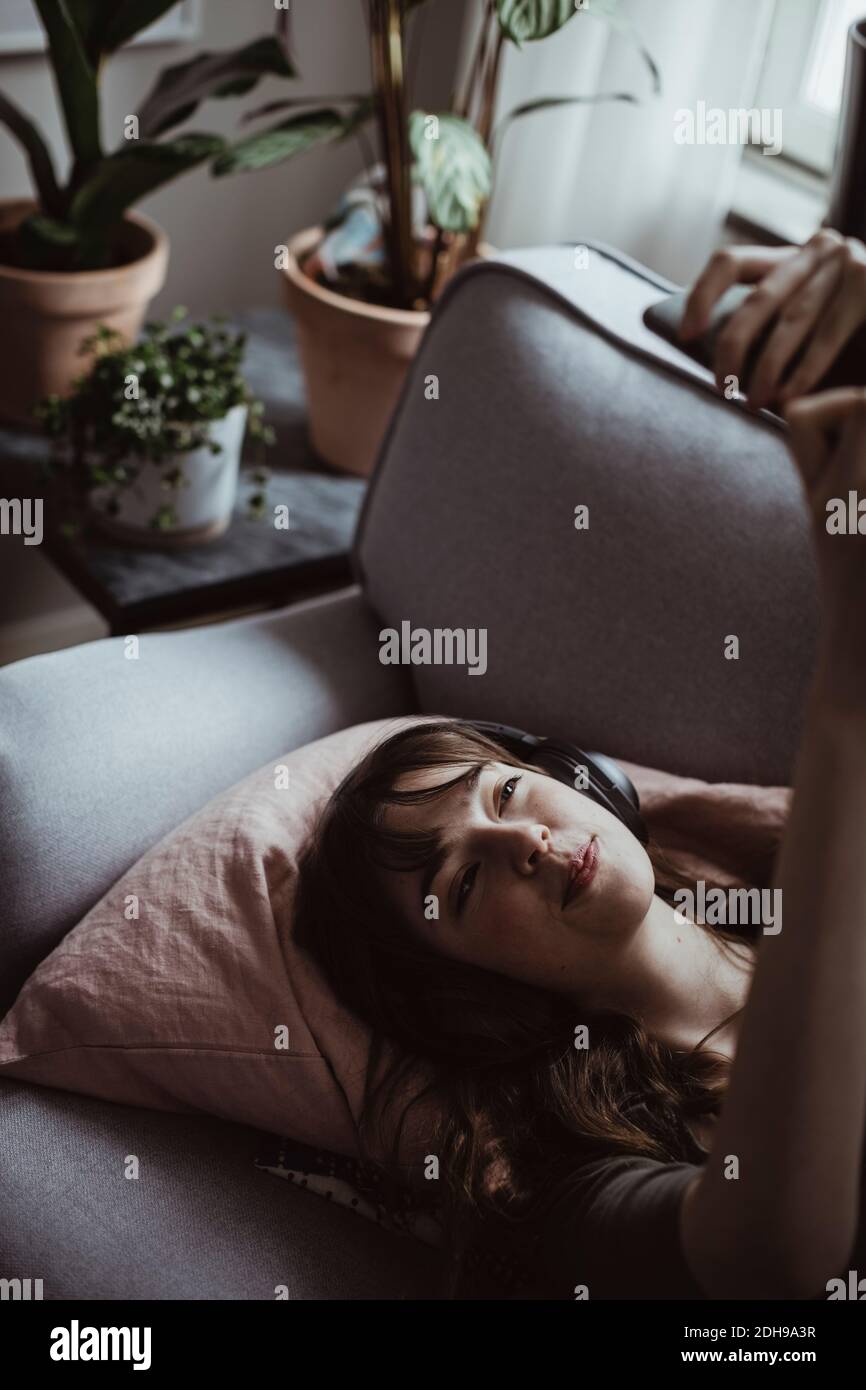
[(518, 1108)]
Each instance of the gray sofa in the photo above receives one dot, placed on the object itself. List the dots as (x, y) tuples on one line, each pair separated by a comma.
[(552, 394)]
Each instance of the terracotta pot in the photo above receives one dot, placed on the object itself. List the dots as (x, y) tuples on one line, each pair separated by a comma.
[(355, 357), (46, 314), (203, 503)]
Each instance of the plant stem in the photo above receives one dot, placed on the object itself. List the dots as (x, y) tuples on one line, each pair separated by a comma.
[(386, 42), (469, 249), (491, 89), (476, 67), (435, 255)]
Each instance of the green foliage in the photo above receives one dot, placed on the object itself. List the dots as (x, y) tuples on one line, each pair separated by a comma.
[(150, 403), (298, 133), (179, 90), (122, 179), (455, 169), (76, 225), (453, 166), (37, 153), (525, 20), (75, 77)]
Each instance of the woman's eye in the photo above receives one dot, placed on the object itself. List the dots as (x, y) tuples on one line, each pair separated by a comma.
[(512, 782), (465, 889)]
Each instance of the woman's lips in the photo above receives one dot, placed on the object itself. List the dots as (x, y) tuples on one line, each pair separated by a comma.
[(584, 863)]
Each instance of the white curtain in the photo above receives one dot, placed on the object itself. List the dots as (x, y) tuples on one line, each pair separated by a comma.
[(614, 172)]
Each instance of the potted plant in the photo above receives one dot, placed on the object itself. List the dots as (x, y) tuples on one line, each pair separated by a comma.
[(76, 255), (362, 287), (150, 438)]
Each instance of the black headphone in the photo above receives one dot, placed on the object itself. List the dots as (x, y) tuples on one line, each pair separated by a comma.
[(606, 783)]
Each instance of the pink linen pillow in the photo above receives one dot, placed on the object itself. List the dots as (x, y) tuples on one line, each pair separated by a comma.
[(170, 992)]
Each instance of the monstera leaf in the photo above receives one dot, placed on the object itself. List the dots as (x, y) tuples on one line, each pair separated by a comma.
[(453, 167), (180, 89), (525, 20)]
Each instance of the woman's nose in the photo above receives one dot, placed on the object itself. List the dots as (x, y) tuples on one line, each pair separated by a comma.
[(524, 845)]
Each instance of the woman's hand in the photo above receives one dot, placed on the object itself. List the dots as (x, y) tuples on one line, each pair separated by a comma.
[(828, 441), (817, 295)]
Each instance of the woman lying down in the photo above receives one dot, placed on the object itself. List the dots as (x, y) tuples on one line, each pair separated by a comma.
[(707, 1142)]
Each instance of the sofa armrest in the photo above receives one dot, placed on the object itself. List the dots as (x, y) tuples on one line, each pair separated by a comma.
[(101, 753)]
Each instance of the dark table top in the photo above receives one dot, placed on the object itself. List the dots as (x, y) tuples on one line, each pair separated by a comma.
[(253, 563)]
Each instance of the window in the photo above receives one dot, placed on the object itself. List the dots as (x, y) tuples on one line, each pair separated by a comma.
[(803, 75)]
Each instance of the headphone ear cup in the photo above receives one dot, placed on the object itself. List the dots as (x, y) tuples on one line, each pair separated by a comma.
[(608, 784), (616, 777)]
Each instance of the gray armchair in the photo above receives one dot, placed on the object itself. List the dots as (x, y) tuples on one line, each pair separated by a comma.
[(552, 394)]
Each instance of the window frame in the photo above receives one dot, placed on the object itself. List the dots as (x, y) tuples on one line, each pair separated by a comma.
[(809, 138)]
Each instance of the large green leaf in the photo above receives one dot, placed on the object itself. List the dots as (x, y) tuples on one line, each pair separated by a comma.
[(46, 244), (38, 155), (524, 20), (131, 17), (75, 78), (179, 90), (292, 136), (454, 169), (105, 25), (129, 175), (90, 18)]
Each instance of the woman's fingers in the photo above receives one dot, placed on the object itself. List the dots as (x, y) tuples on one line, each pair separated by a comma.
[(827, 429), (845, 314), (732, 265), (798, 319), (764, 303)]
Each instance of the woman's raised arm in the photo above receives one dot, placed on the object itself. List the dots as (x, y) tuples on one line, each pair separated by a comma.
[(774, 1213)]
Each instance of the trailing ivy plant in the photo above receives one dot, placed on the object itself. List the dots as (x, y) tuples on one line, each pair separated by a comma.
[(76, 224), (450, 154), (148, 405)]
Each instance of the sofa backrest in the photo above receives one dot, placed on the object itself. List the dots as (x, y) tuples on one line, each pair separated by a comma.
[(538, 390)]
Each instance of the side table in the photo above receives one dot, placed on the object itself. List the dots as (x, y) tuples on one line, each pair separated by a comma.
[(253, 564)]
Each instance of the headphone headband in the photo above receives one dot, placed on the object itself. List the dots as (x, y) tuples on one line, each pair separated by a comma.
[(603, 779)]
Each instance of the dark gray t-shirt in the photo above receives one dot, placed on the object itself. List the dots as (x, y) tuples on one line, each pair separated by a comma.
[(618, 1235)]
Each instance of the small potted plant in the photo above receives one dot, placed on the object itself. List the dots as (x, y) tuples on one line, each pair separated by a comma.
[(150, 438), (76, 254), (361, 288)]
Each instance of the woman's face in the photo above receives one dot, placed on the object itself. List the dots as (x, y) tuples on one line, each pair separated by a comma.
[(503, 893)]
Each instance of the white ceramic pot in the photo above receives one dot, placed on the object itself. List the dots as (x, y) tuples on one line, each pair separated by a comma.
[(202, 504)]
